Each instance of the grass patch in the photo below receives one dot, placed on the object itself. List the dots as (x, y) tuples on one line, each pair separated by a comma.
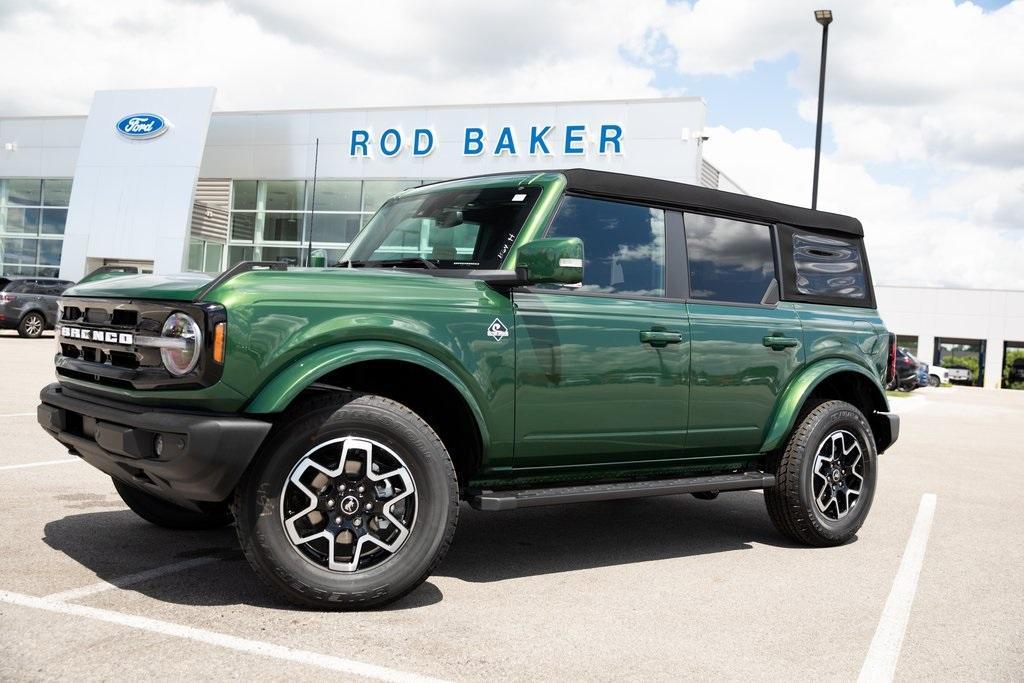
[(898, 394)]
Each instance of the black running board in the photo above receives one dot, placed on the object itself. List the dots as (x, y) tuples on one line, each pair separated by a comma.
[(512, 500)]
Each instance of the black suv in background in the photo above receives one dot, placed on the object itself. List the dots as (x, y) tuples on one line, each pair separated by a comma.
[(29, 304)]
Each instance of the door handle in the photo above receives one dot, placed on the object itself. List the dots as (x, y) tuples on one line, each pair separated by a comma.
[(659, 338), (777, 343)]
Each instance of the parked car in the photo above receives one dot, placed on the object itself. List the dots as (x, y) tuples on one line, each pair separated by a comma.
[(937, 375), (908, 372), (511, 340), (960, 374), (29, 304), (1017, 370)]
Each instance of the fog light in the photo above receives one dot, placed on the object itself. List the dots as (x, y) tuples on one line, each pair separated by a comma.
[(158, 445)]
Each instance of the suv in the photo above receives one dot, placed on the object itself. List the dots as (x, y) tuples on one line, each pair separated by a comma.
[(29, 304), (510, 341)]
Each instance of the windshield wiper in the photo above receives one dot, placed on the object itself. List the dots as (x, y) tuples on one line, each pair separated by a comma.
[(399, 262)]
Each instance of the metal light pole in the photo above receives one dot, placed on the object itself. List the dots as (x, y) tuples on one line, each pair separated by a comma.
[(823, 17)]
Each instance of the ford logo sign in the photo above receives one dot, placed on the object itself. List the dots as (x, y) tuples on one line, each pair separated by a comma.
[(141, 126)]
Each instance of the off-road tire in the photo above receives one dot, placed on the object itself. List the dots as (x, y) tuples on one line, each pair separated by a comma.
[(168, 515), (257, 503), (791, 503), (32, 325)]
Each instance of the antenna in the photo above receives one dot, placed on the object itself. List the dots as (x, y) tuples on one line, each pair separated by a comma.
[(312, 204)]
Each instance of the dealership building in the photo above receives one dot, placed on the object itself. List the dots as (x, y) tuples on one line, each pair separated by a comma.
[(157, 180)]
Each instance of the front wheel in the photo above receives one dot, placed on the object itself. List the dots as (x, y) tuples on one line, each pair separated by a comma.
[(825, 478), (351, 505), (933, 381)]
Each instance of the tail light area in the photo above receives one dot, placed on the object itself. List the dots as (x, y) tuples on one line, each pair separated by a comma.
[(890, 367)]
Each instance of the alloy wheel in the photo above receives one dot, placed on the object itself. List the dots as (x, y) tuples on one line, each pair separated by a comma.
[(34, 325), (348, 504), (837, 476)]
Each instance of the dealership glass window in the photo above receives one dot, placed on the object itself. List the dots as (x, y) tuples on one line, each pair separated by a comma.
[(204, 256), (282, 227), (33, 216), (335, 227), (728, 260), (284, 195), (336, 195), (53, 221), (56, 192), (243, 193), (623, 244), (376, 192), (908, 342), (278, 213), (23, 220), (24, 192)]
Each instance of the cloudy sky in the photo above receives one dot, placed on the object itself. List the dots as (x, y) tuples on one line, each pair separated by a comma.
[(924, 135)]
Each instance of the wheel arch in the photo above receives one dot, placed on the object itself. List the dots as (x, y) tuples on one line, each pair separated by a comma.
[(830, 379), (408, 375)]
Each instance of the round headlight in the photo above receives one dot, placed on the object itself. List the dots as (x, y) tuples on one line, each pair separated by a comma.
[(182, 357)]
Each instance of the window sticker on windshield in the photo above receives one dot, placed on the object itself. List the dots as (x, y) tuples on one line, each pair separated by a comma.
[(519, 197)]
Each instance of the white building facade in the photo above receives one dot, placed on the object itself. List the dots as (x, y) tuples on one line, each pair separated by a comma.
[(203, 190)]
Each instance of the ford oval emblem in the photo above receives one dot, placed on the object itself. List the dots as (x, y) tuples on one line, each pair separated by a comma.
[(141, 126)]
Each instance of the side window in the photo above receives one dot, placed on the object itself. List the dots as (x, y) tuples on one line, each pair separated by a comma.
[(728, 260), (623, 245), (823, 267)]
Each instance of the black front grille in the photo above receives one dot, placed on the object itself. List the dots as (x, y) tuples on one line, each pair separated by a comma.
[(109, 360)]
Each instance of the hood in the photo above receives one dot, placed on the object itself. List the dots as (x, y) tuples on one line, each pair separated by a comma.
[(179, 287)]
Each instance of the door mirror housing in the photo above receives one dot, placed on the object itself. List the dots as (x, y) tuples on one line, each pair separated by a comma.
[(554, 260)]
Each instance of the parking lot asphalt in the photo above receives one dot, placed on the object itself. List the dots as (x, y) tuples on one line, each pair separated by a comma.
[(660, 588)]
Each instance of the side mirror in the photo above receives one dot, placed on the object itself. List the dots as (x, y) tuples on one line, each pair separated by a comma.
[(555, 260)]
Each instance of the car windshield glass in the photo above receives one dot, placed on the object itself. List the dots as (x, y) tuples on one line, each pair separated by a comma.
[(457, 228)]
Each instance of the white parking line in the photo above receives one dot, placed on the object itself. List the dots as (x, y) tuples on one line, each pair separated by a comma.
[(39, 464), (224, 640), (884, 652), (131, 579)]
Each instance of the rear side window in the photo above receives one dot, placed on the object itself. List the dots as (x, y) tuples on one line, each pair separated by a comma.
[(623, 245), (823, 268), (728, 260), (16, 287)]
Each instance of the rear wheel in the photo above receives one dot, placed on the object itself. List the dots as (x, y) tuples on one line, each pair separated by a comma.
[(350, 506), (825, 477), (168, 515), (31, 325), (933, 380)]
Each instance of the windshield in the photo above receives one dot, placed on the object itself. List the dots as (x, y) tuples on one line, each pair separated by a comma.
[(458, 228)]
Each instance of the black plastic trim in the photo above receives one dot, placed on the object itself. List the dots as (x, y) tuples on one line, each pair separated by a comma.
[(203, 458), (513, 500)]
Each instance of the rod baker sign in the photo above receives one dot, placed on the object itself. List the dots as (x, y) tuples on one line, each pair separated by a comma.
[(546, 140)]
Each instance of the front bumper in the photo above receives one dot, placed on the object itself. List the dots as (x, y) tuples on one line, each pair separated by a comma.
[(202, 459)]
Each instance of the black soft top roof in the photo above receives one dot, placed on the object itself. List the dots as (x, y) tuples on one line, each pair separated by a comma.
[(684, 196)]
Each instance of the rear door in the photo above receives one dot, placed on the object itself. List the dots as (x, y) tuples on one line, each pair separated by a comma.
[(601, 370), (745, 345)]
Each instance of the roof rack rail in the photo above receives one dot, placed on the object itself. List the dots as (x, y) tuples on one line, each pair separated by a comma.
[(238, 269)]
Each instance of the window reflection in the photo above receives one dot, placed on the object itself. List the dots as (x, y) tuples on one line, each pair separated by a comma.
[(728, 260)]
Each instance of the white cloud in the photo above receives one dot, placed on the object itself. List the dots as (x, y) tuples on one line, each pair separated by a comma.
[(56, 53), (909, 241)]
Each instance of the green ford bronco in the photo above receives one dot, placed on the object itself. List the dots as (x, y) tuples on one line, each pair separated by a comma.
[(509, 341)]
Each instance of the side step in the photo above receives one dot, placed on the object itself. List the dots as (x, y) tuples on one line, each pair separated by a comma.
[(512, 500)]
